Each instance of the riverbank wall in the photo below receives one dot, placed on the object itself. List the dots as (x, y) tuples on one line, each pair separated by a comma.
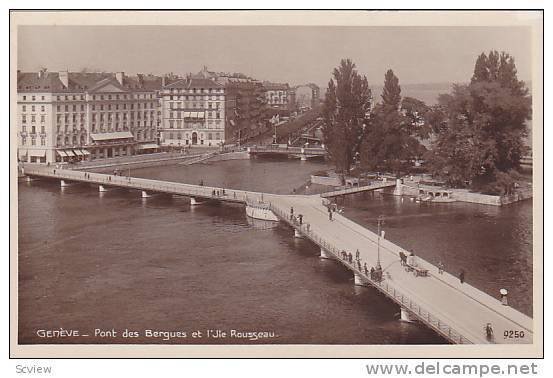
[(237, 155), (134, 162), (440, 194)]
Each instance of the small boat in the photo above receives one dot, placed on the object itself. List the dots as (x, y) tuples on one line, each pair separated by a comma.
[(260, 210)]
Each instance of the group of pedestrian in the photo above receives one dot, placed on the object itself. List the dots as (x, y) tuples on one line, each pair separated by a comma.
[(87, 175), (219, 193)]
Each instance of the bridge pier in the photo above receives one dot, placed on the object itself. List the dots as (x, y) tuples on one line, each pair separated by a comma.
[(64, 183), (195, 202), (357, 280), (398, 190), (325, 254), (405, 316)]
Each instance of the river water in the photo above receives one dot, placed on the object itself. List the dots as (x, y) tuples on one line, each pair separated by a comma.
[(118, 262)]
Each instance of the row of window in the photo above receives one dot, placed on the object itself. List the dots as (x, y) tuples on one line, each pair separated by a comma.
[(197, 98), (33, 141), (177, 135), (189, 105), (33, 129), (124, 125), (181, 115), (94, 97), (33, 108), (195, 90), (179, 124), (33, 118)]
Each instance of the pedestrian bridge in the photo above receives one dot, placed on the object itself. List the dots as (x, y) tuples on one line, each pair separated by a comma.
[(300, 152), (359, 189), (457, 311)]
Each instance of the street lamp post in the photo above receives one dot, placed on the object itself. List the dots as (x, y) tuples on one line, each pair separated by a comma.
[(379, 220)]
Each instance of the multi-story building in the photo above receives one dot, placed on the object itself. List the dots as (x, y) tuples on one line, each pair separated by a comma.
[(67, 116), (277, 95), (210, 109), (193, 113)]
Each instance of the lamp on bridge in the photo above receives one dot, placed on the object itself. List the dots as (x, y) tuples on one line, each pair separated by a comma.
[(380, 221)]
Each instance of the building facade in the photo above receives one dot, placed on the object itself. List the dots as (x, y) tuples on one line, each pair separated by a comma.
[(193, 113), (211, 109), (70, 116), (277, 95)]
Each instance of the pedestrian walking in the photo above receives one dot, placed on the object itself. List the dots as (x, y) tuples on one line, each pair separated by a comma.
[(350, 257), (330, 216), (372, 273), (300, 217), (357, 255), (489, 331), (359, 264), (365, 268), (440, 267), (462, 276)]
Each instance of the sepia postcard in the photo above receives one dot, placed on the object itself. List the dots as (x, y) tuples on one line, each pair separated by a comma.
[(291, 184)]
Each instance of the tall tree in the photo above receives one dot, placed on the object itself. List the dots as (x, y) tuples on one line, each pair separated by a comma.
[(388, 141), (391, 93), (487, 119), (346, 106)]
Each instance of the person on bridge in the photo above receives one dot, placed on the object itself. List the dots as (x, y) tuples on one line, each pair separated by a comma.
[(440, 267), (357, 255), (359, 264), (365, 268), (300, 217), (462, 276), (372, 273), (330, 216), (489, 331), (291, 212)]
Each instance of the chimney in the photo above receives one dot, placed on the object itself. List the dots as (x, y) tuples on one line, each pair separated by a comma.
[(64, 78), (119, 76)]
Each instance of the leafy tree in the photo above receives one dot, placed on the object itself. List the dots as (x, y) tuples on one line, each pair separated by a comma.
[(347, 103), (481, 127), (388, 141)]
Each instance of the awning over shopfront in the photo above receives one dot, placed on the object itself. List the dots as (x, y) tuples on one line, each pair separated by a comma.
[(78, 152), (186, 115), (69, 153), (61, 153), (148, 146), (85, 152), (37, 153), (22, 153), (111, 136), (201, 115)]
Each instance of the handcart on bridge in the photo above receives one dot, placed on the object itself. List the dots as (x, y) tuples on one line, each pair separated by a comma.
[(412, 266)]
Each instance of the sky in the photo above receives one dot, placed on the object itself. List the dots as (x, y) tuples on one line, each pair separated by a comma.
[(293, 54)]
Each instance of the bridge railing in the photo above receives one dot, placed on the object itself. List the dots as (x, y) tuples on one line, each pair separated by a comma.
[(143, 184), (423, 314)]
